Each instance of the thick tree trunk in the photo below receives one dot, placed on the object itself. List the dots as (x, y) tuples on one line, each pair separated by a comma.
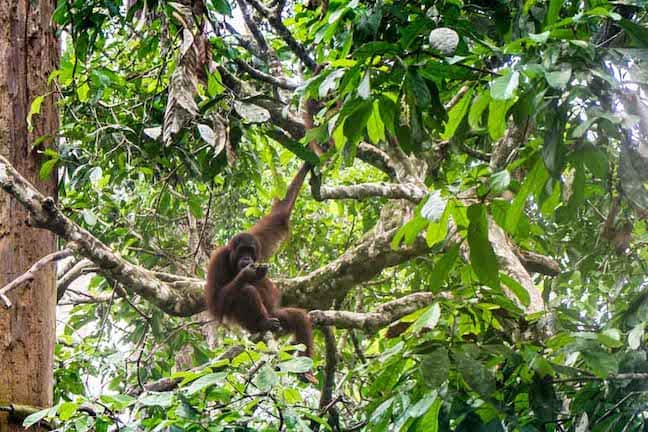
[(28, 54)]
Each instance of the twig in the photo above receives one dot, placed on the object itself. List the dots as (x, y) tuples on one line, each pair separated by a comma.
[(262, 76), (29, 275), (286, 35)]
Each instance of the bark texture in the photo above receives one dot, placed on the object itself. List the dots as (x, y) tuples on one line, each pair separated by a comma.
[(29, 52)]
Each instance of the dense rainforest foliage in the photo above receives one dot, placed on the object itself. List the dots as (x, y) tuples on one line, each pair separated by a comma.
[(472, 244)]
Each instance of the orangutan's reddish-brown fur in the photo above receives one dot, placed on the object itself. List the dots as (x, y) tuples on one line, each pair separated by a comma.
[(237, 288)]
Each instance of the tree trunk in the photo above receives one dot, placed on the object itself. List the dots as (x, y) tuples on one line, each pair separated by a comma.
[(29, 52)]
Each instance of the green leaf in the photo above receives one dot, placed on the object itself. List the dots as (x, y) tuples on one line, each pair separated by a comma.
[(118, 402), (497, 111), (267, 378), (82, 92), (504, 87), (500, 181), (435, 367), (517, 289), (476, 375), (89, 217), (47, 168), (601, 362), (364, 89), (442, 268), (418, 88), (553, 150), (553, 12), (610, 337), (477, 108), (437, 231), (355, 124), (636, 336), (543, 400), (482, 257), (222, 6), (34, 418), (34, 110), (638, 33), (66, 410), (164, 399), (429, 319), (375, 125), (434, 206), (205, 382), (456, 115), (297, 365), (430, 421), (559, 79), (409, 231), (534, 181)]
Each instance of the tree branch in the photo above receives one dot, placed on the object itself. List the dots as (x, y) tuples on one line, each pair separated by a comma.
[(28, 276), (408, 191), (44, 214), (262, 76), (380, 317), (284, 33), (358, 264)]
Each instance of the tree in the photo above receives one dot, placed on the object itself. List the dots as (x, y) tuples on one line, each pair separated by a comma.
[(474, 249), (30, 53)]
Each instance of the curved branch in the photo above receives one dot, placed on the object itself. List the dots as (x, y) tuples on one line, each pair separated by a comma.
[(408, 191), (44, 214), (359, 264)]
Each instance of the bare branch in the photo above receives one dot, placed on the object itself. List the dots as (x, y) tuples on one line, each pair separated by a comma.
[(537, 263), (359, 264), (262, 76), (78, 270), (285, 34), (28, 276), (44, 214), (380, 317), (362, 191)]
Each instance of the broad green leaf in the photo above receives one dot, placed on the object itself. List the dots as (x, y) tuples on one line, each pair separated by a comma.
[(82, 92), (456, 115), (34, 109), (602, 363), (437, 231), (47, 168), (66, 410), (517, 289), (610, 337), (499, 181), (267, 378), (442, 268), (364, 89), (553, 149), (535, 180), (475, 373), (434, 206), (118, 402), (163, 399), (504, 87), (430, 421), (297, 365), (636, 336), (34, 418), (497, 110), (375, 125), (418, 88), (477, 108), (205, 382), (482, 257), (435, 367), (429, 319), (553, 12), (559, 79)]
